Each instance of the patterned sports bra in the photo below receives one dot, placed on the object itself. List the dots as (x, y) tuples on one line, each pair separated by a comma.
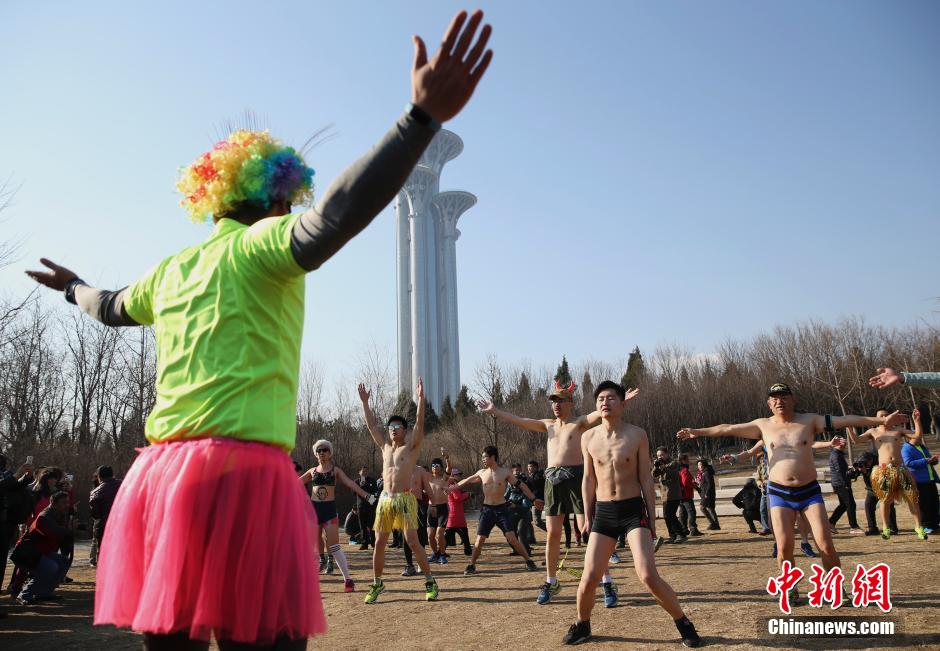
[(323, 478)]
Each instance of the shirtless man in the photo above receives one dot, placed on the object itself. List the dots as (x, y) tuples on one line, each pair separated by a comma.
[(438, 511), (397, 507), (564, 472), (617, 475), (792, 485), (891, 481), (495, 511), (802, 523)]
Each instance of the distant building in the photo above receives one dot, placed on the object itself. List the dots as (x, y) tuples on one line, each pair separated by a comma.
[(428, 340)]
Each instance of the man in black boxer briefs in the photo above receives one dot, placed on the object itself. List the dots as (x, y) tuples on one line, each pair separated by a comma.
[(495, 511), (617, 475)]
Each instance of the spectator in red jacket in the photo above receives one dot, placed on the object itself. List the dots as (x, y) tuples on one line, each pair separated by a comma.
[(456, 520), (687, 503), (47, 534)]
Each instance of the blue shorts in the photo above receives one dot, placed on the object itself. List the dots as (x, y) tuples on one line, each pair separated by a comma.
[(793, 497)]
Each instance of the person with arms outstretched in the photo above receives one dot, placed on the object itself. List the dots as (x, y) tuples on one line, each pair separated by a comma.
[(792, 485), (228, 317), (564, 472)]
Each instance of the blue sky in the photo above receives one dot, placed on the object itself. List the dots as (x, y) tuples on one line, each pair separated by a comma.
[(646, 172)]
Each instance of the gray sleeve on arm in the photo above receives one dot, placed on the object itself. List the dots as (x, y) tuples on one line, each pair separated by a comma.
[(924, 380), (354, 199), (104, 306)]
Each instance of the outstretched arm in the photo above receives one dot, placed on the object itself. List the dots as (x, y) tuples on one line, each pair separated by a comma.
[(889, 377), (756, 450), (531, 424), (419, 420), (374, 431), (101, 305), (440, 87), (350, 484), (742, 430), (840, 422), (472, 479)]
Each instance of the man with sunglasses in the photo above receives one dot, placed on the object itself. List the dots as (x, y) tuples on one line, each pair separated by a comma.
[(438, 511), (564, 472), (398, 506)]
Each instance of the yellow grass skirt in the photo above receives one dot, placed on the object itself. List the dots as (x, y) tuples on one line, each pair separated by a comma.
[(396, 511), (890, 482)]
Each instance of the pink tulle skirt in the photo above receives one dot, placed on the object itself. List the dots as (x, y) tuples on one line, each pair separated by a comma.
[(213, 537)]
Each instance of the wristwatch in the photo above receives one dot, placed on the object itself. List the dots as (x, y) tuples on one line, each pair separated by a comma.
[(70, 289)]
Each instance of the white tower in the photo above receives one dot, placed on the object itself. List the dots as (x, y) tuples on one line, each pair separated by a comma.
[(428, 342)]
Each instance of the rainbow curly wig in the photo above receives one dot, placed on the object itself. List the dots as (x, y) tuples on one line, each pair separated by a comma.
[(249, 168)]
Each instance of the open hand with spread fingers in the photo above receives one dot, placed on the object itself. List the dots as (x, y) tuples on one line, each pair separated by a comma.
[(56, 279), (686, 433), (443, 84), (886, 377)]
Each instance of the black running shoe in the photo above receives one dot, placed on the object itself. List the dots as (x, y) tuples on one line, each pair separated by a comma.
[(690, 637), (579, 633), (471, 569), (531, 566)]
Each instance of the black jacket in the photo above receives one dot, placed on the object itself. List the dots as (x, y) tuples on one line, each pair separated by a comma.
[(706, 487), (748, 498), (368, 485), (100, 502)]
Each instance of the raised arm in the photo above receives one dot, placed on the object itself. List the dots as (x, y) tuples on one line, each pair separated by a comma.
[(374, 430), (531, 424), (741, 430), (440, 87), (419, 419), (102, 305)]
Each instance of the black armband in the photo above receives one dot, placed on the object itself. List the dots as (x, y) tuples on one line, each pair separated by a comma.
[(422, 117), (70, 289)]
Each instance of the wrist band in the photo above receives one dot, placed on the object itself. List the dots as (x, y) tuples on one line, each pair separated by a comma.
[(70, 289), (422, 117)]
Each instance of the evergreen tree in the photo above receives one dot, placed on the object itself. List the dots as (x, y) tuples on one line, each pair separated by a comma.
[(636, 370), (563, 375), (464, 405), (523, 391), (447, 412), (587, 393)]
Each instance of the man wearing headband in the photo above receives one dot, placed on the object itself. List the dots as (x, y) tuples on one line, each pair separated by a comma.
[(792, 487), (228, 318), (563, 474), (398, 505)]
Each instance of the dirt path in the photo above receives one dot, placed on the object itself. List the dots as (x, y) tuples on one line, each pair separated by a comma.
[(720, 580)]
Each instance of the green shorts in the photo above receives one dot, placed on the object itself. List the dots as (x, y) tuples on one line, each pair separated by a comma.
[(564, 497)]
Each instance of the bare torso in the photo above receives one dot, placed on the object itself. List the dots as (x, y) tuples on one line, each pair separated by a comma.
[(398, 466), (790, 448), (564, 442), (615, 455), (438, 489), (888, 442), (494, 484)]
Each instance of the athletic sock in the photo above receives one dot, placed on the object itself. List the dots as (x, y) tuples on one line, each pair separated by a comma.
[(428, 577), (340, 557), (607, 578), (553, 580)]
